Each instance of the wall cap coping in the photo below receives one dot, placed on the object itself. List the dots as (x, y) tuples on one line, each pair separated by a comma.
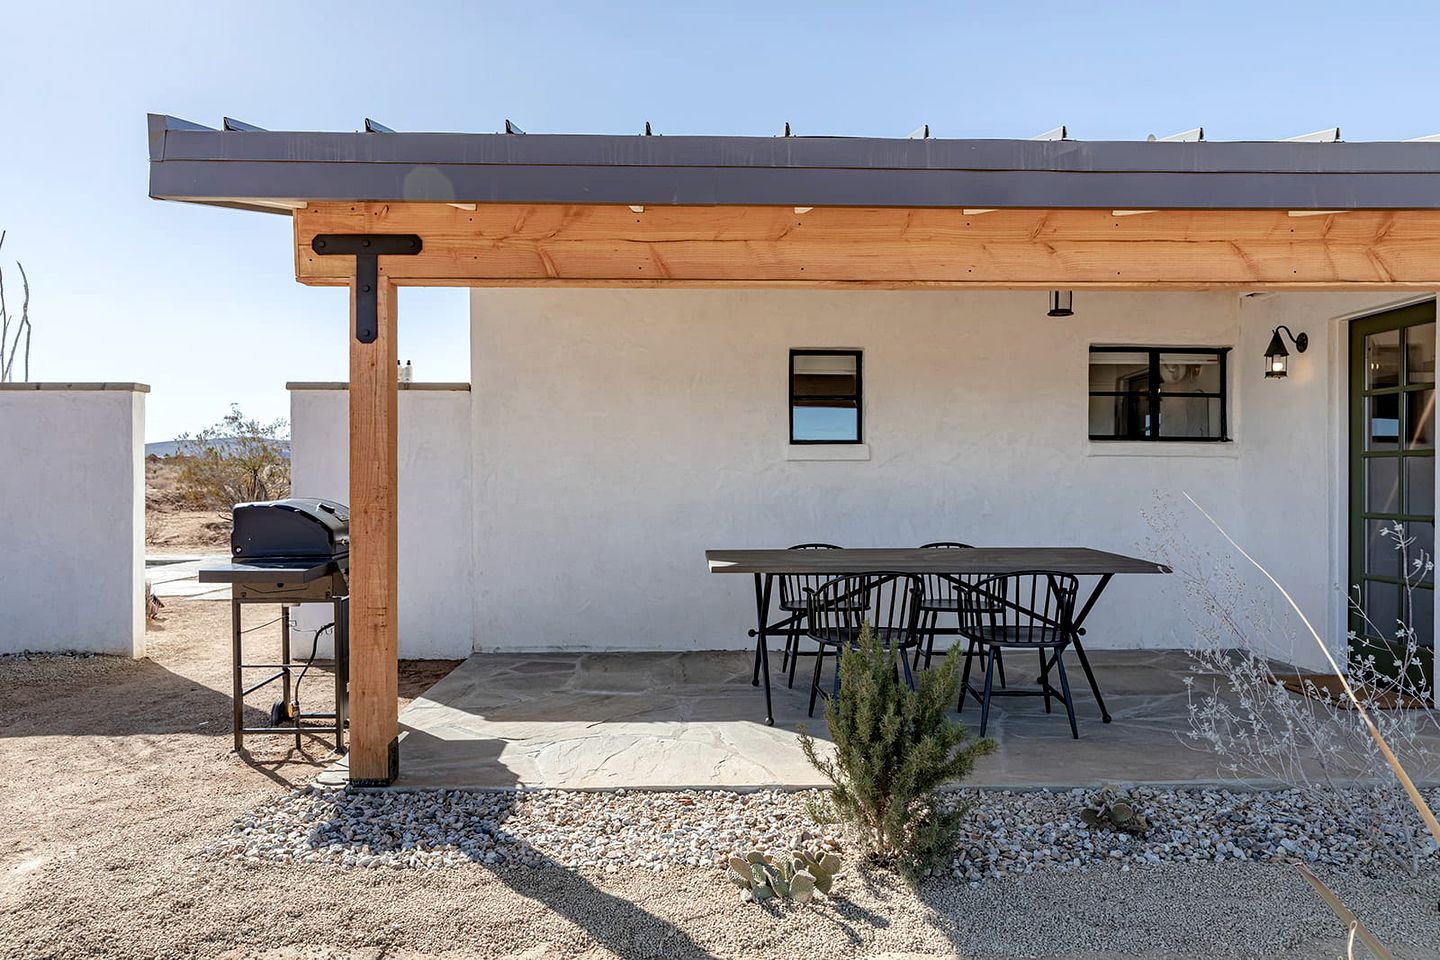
[(117, 387), (345, 385)]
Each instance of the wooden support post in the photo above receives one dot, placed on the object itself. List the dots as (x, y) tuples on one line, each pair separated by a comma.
[(374, 708)]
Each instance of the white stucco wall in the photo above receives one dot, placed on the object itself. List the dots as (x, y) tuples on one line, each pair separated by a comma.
[(72, 518), (436, 578), (618, 434)]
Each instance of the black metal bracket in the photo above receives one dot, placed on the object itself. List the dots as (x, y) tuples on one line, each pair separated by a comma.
[(366, 248)]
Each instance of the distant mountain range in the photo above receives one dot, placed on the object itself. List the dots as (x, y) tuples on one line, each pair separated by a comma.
[(168, 448)]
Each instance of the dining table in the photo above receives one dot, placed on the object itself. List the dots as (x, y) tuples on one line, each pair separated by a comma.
[(765, 565)]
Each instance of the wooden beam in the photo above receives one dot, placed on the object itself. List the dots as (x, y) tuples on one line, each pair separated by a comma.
[(374, 707), (518, 245)]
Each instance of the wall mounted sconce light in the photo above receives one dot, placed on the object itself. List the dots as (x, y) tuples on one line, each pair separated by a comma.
[(1277, 358), (1062, 303)]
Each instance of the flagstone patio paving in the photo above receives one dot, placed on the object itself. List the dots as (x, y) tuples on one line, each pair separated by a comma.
[(685, 720)]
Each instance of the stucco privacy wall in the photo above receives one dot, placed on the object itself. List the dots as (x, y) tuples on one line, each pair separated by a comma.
[(618, 434), (436, 578), (72, 514)]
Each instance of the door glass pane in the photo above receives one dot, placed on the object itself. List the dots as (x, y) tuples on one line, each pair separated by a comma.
[(1382, 359), (1382, 609), (1420, 485), (1420, 353), (1420, 419), (1421, 610), (1381, 557), (1382, 485), (1382, 416), (1419, 549)]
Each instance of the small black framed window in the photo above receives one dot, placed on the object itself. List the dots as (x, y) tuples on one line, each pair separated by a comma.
[(1159, 393), (825, 396)]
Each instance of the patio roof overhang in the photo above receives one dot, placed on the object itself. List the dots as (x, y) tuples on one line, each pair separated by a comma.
[(532, 210)]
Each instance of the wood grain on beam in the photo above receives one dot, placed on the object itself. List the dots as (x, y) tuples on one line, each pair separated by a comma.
[(506, 244), (373, 536)]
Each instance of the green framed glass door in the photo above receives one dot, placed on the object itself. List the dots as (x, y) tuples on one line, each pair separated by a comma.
[(1392, 481)]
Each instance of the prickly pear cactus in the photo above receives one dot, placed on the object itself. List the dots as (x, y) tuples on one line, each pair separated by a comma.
[(1113, 809), (807, 869)]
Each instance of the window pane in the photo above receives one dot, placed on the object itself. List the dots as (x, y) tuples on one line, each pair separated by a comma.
[(1125, 417), (1382, 426), (1382, 485), (1194, 417), (835, 424), (1125, 372), (1420, 485), (1382, 359), (1420, 419), (1189, 373), (825, 375)]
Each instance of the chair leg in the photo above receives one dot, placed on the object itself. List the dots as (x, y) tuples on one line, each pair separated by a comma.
[(930, 640), (905, 662), (785, 657), (794, 659), (1001, 654), (836, 688), (815, 679), (1065, 689), (1045, 679), (965, 678), (985, 704)]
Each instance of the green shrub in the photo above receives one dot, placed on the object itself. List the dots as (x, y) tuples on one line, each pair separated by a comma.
[(894, 749), (237, 460)]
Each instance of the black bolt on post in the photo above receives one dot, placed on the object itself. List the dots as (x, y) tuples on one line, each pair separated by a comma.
[(366, 248)]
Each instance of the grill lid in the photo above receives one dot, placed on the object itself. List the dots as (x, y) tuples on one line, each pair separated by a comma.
[(298, 528)]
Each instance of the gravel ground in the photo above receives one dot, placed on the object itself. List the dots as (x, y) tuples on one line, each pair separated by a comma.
[(1009, 834), (118, 777)]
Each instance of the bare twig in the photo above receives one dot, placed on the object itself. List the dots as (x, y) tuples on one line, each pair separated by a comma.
[(1426, 814), (1346, 915)]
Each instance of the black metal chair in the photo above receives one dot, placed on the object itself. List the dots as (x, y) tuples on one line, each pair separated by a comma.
[(942, 598), (1026, 610), (840, 608), (795, 590)]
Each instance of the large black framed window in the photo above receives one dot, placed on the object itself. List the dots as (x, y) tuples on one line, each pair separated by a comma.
[(1177, 394), (825, 396)]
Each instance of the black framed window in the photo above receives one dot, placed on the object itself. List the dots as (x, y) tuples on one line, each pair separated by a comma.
[(1159, 393), (825, 396)]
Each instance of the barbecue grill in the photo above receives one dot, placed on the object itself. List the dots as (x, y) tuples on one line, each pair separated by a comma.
[(289, 552)]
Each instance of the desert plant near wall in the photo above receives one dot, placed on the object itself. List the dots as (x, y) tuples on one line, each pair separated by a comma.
[(895, 748), (237, 460), (1240, 709), (14, 329)]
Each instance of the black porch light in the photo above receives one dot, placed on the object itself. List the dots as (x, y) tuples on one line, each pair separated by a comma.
[(1062, 303), (1277, 358)]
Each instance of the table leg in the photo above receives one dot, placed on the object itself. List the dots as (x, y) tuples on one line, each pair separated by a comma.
[(1080, 649), (763, 585), (237, 697)]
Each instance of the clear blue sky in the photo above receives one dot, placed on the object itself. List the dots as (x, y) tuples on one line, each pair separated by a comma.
[(202, 304)]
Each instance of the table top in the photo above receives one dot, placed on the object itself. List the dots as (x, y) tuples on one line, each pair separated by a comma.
[(985, 561)]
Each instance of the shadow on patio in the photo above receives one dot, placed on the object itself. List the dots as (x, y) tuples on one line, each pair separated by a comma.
[(683, 720)]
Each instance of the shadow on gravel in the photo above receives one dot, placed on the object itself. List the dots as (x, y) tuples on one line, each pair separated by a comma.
[(390, 822)]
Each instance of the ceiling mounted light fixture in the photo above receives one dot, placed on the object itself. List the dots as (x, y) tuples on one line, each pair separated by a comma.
[(1062, 303), (1277, 358)]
